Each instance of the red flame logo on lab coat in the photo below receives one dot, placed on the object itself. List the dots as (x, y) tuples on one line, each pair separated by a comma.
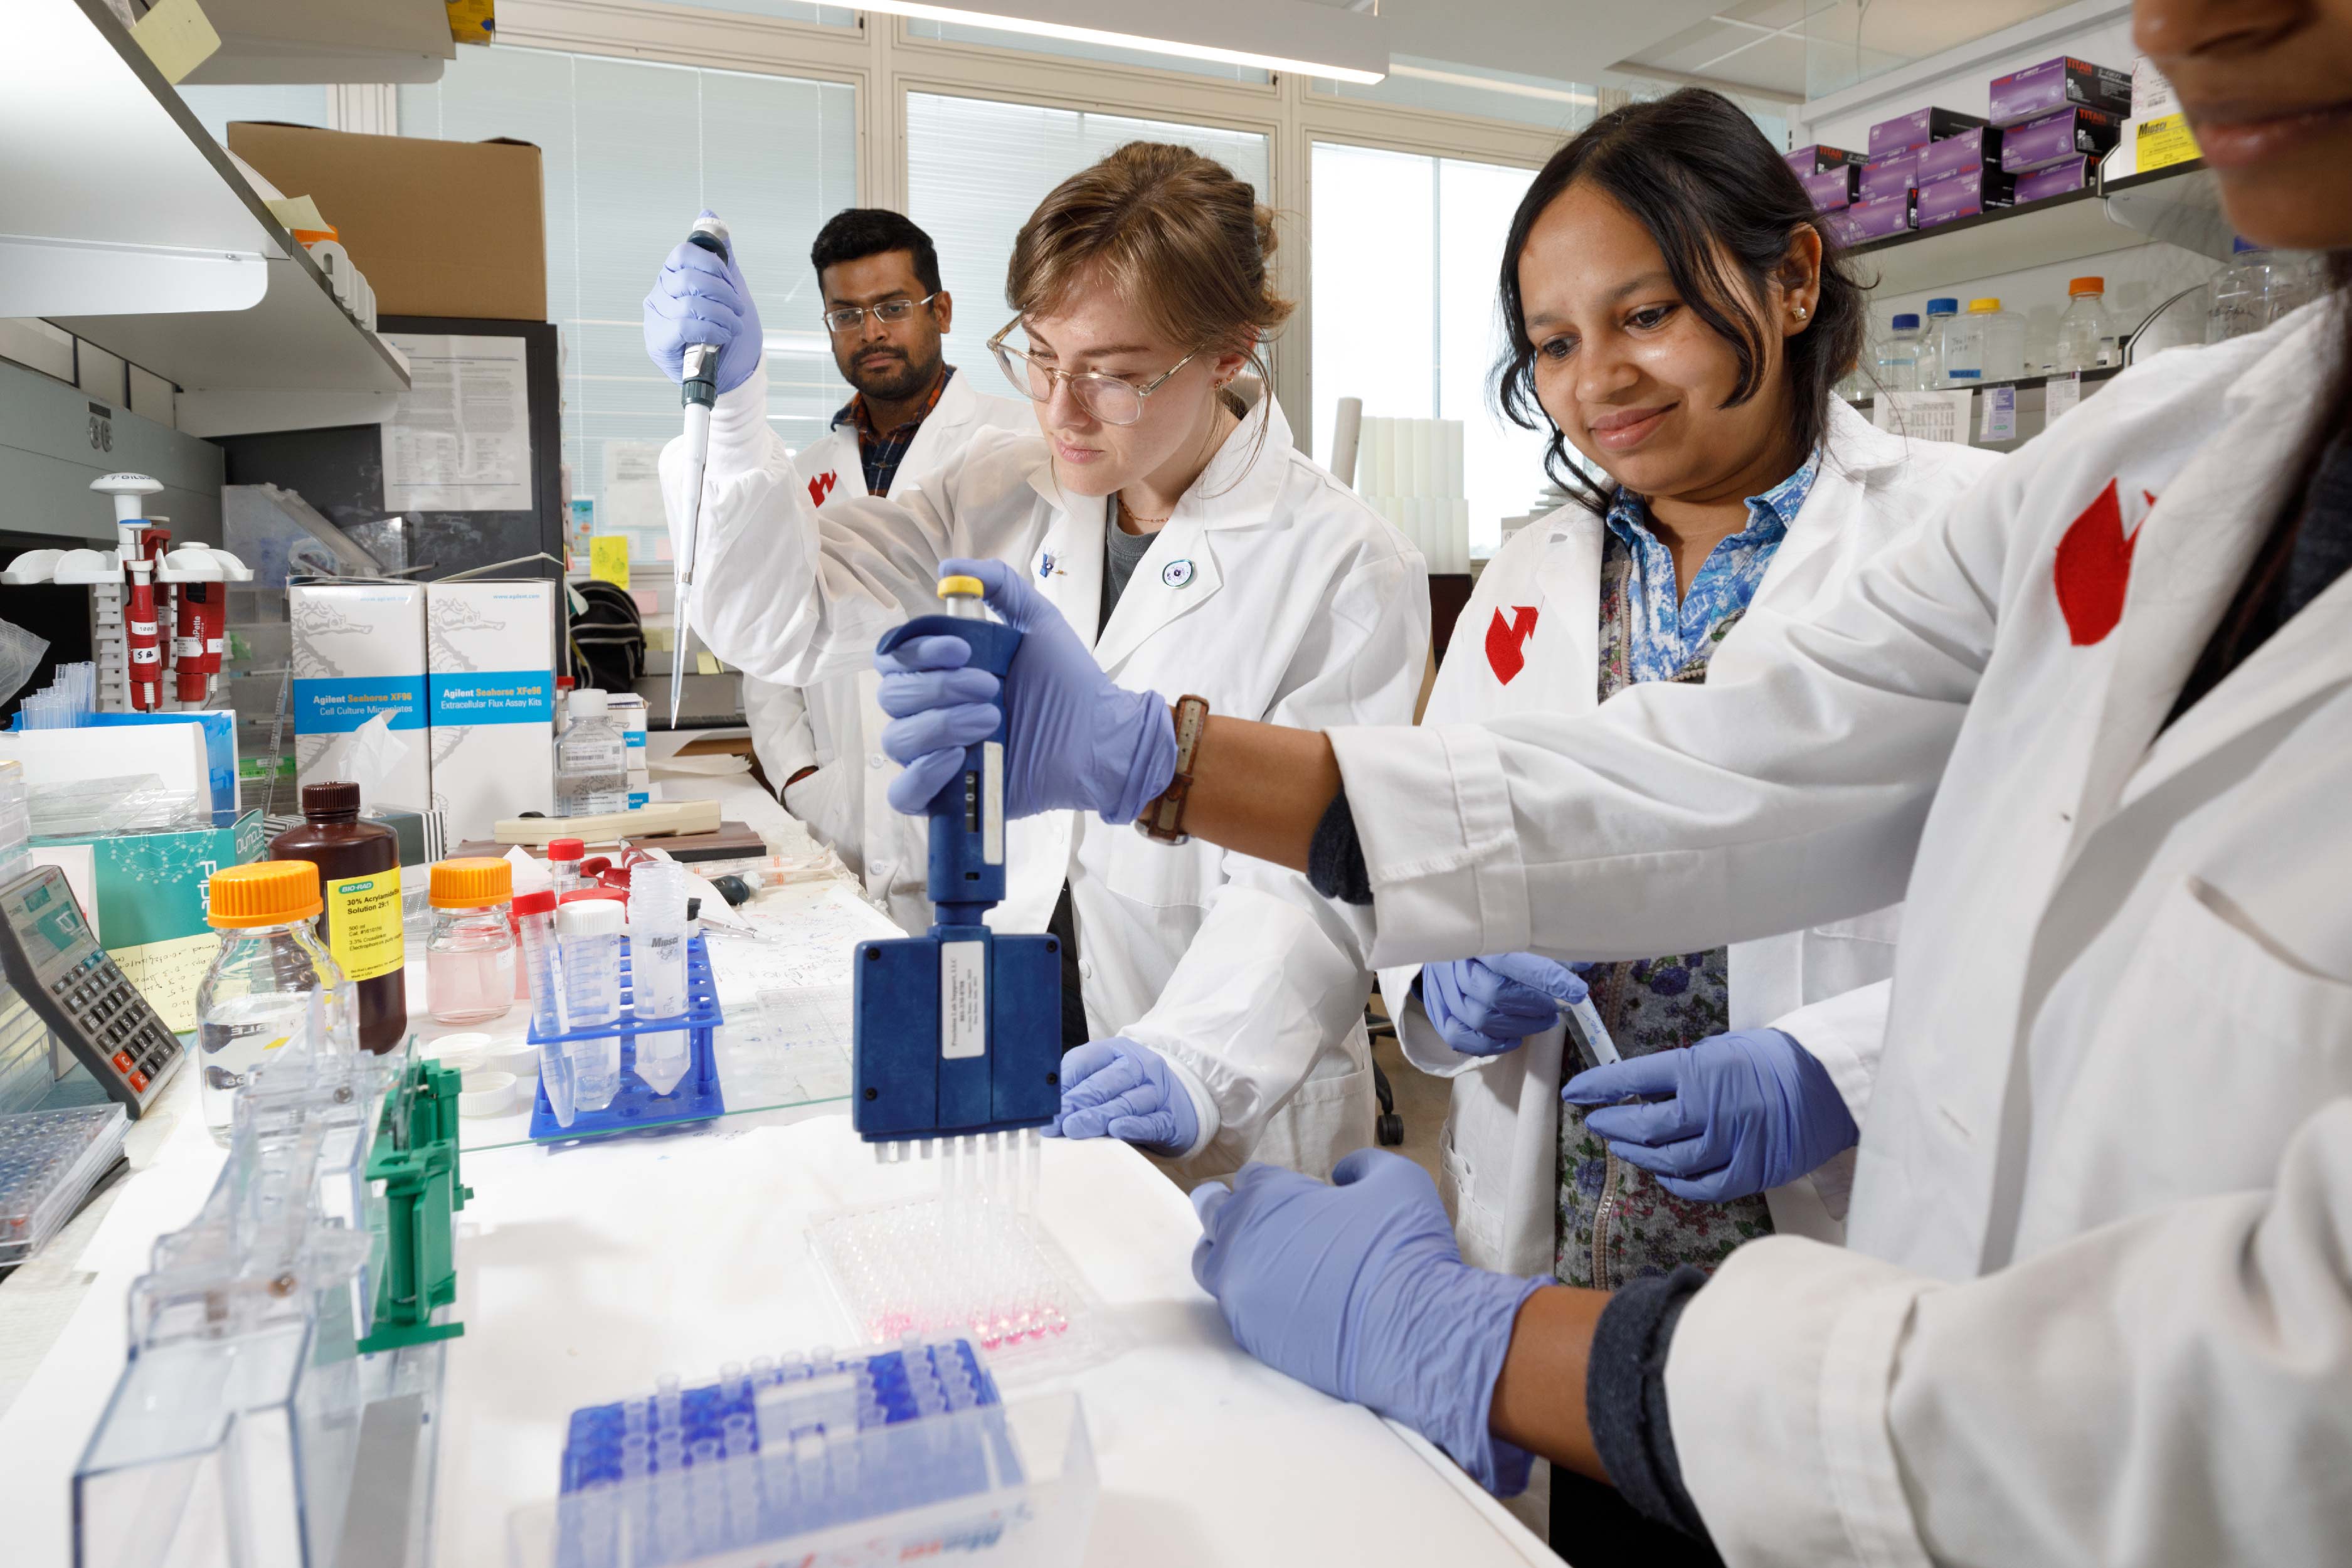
[(2094, 568), (822, 487), (1506, 641)]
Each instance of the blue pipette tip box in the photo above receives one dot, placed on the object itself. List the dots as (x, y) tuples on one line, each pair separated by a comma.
[(695, 1098)]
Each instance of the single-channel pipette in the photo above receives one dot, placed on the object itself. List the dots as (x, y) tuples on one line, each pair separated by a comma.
[(698, 389)]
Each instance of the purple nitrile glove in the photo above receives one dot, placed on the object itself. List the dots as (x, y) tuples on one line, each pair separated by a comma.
[(1073, 738), (1358, 1288), (699, 298), (1118, 1088), (1741, 1112), (1485, 1007)]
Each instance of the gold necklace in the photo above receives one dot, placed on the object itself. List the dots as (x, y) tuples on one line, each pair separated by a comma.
[(1133, 516)]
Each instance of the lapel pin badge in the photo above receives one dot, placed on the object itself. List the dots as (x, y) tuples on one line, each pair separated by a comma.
[(1176, 574)]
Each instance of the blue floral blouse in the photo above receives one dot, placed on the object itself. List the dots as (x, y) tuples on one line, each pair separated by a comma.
[(1668, 634)]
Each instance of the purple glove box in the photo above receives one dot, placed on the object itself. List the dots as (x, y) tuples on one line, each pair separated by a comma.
[(2054, 85), (1831, 188), (1964, 194), (1918, 129), (1877, 219), (2054, 138), (1814, 160), (1890, 176), (1976, 149), (2074, 174)]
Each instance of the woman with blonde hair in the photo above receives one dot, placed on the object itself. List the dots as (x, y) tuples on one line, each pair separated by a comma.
[(1213, 1003)]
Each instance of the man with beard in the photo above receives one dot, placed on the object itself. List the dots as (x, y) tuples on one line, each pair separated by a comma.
[(884, 310)]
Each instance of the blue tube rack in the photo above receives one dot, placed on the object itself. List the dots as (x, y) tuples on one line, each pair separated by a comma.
[(808, 1471), (696, 1097)]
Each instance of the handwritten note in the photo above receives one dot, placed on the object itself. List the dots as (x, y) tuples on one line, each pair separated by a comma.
[(168, 974)]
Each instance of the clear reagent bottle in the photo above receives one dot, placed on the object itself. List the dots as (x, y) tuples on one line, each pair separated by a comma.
[(592, 760), (469, 959), (256, 996)]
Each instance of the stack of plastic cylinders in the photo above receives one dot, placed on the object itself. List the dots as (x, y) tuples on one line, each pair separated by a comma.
[(657, 968)]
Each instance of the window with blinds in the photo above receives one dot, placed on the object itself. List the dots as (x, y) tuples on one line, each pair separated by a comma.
[(634, 150), (977, 168), (1407, 252)]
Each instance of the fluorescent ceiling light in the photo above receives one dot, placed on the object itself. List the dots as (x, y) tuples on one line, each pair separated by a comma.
[(1494, 84), (1292, 36)]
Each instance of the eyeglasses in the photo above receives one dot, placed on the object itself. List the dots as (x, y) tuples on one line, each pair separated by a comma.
[(1106, 398), (890, 313)]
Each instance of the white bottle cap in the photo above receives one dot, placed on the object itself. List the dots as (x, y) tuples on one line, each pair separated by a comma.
[(588, 702), (590, 917)]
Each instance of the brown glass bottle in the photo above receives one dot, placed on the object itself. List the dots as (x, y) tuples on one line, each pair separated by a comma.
[(358, 877)]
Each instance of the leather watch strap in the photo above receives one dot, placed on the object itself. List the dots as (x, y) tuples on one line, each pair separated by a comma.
[(1163, 819)]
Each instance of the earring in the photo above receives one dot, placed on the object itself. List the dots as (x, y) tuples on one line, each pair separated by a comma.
[(1803, 312)]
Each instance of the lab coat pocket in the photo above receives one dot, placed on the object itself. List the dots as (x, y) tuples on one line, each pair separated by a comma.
[(1151, 875), (2212, 999)]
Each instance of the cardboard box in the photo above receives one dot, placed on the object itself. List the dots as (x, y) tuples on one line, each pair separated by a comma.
[(152, 895), (1831, 188), (1814, 160), (1977, 149), (1891, 175), (492, 690), (2056, 84), (1877, 219), (359, 651), (439, 228), (2057, 180), (2054, 138), (1917, 129), (1964, 194)]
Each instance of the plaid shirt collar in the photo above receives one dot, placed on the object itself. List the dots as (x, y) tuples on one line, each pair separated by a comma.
[(854, 413)]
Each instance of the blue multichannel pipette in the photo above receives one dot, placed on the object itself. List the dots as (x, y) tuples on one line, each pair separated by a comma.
[(959, 1032)]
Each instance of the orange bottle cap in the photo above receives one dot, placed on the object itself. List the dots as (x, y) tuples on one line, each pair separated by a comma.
[(2085, 285), (264, 893), (474, 882)]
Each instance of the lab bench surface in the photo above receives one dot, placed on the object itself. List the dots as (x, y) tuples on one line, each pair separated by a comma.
[(586, 1271)]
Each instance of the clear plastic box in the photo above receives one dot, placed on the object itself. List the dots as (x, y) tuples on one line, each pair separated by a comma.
[(247, 1411), (973, 1260), (48, 1162)]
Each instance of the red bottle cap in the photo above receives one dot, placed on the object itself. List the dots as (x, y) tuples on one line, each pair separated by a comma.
[(566, 849), (541, 902)]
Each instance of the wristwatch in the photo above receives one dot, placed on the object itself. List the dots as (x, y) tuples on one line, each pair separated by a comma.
[(1163, 819)]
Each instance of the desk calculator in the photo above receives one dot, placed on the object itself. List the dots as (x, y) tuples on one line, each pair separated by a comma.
[(58, 967)]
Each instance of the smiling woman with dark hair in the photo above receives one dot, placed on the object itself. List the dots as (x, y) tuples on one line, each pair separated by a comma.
[(1677, 319)]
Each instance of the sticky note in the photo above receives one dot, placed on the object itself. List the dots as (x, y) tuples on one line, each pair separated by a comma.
[(608, 559), (705, 663), (177, 37), (296, 212)]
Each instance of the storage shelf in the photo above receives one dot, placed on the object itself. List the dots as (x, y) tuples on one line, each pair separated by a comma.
[(122, 221), (327, 41), (2025, 382), (2179, 205)]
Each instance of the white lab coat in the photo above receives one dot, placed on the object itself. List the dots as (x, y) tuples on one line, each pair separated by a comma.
[(1528, 643), (1278, 596), (835, 726), (2095, 1304)]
